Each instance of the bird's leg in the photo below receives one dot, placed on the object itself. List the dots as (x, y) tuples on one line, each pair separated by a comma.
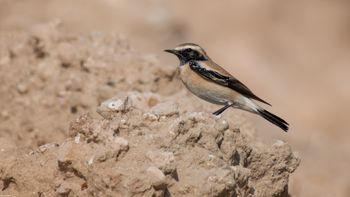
[(219, 111)]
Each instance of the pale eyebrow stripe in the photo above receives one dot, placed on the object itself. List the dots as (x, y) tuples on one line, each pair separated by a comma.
[(188, 46)]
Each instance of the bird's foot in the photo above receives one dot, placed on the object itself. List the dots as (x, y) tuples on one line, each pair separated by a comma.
[(219, 111)]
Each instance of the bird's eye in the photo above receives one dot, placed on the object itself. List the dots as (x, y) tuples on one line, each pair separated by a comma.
[(188, 50)]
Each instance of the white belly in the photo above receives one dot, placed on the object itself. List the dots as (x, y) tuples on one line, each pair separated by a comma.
[(207, 95)]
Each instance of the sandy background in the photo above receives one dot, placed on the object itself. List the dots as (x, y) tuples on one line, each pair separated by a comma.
[(295, 55)]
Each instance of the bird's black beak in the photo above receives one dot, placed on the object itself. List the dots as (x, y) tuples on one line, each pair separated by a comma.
[(173, 51), (177, 53)]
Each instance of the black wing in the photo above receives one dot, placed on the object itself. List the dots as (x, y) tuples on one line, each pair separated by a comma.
[(227, 81)]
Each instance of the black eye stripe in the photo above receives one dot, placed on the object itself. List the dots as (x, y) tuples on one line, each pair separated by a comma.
[(191, 54), (188, 50)]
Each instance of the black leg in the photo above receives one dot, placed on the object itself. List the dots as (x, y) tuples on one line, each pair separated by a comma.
[(219, 111)]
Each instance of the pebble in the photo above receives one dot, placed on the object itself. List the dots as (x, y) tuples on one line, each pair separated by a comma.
[(168, 108), (22, 88), (121, 143), (150, 117)]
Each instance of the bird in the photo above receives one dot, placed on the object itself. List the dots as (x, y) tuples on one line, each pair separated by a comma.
[(212, 83)]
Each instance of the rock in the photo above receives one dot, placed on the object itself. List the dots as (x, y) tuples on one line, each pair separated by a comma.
[(114, 105), (45, 147), (63, 189), (160, 158), (120, 144), (156, 173), (126, 102), (74, 84), (68, 55), (158, 181), (163, 160), (22, 88), (149, 160), (222, 125), (168, 108), (219, 183), (150, 117)]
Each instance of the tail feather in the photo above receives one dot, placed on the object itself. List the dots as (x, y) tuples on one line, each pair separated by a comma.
[(274, 119)]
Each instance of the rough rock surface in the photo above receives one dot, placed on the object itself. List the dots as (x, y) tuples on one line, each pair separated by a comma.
[(144, 143), (129, 154)]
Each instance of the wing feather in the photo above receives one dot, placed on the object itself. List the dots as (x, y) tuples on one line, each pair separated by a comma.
[(224, 80)]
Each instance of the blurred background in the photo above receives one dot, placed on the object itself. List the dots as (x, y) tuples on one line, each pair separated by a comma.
[(294, 54)]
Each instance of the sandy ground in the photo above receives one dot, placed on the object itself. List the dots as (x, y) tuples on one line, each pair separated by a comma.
[(295, 55)]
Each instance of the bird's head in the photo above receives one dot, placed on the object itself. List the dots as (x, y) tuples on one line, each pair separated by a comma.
[(187, 52)]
